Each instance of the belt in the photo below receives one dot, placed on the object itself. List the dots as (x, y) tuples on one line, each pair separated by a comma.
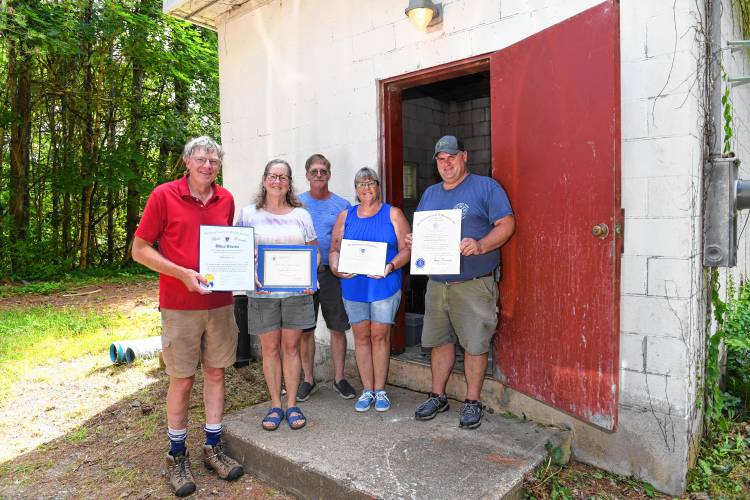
[(470, 279), (324, 267)]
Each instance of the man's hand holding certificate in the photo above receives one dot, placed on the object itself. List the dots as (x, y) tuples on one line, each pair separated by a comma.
[(227, 257), (436, 240)]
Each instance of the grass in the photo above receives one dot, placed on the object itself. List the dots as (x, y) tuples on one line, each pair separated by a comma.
[(40, 335), (74, 281)]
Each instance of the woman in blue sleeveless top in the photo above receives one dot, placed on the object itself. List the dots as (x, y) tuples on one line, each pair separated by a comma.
[(371, 302)]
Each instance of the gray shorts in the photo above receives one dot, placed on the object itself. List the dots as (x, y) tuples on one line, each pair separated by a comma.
[(268, 314), (328, 297), (466, 311)]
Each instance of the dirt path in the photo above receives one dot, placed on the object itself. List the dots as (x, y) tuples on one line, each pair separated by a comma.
[(87, 429)]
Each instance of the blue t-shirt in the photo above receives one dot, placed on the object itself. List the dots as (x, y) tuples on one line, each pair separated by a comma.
[(482, 202), (324, 214), (375, 228)]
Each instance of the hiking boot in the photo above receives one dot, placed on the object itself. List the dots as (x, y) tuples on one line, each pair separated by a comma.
[(435, 404), (305, 390), (382, 403), (365, 401), (344, 389), (471, 415), (225, 466), (179, 475)]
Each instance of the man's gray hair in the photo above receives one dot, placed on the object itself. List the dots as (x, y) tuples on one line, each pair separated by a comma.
[(203, 142)]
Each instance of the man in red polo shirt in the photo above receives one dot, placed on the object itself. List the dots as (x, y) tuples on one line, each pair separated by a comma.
[(197, 325)]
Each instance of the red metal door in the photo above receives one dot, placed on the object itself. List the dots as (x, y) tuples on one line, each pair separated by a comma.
[(556, 149)]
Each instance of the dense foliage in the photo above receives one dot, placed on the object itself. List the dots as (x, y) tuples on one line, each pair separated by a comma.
[(97, 98), (723, 465)]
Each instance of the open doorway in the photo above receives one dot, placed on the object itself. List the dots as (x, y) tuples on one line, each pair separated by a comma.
[(455, 105)]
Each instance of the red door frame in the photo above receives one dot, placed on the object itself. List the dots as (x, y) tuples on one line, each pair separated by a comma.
[(392, 142)]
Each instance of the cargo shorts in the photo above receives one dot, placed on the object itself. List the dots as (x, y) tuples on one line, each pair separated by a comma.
[(208, 336), (465, 311)]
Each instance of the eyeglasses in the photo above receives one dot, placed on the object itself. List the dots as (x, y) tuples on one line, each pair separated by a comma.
[(319, 173), (277, 177), (365, 185), (201, 160)]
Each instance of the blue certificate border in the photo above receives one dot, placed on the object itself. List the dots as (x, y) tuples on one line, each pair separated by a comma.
[(311, 249)]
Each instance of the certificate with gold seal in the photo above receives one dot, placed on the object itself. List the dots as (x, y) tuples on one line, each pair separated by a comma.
[(227, 257)]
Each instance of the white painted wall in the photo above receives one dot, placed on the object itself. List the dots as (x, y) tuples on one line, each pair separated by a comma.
[(299, 77)]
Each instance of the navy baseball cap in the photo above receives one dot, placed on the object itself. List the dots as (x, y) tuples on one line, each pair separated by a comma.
[(448, 144)]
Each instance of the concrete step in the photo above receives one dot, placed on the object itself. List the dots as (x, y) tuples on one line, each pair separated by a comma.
[(389, 455)]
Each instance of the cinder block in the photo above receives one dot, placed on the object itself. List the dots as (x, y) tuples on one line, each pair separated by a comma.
[(655, 316), (465, 14), (660, 157), (634, 120), (651, 392), (660, 75), (673, 196), (668, 356), (481, 102), (632, 33), (500, 34), (374, 42), (671, 277), (659, 237), (633, 274), (672, 115), (632, 353), (635, 196), (669, 32), (397, 62)]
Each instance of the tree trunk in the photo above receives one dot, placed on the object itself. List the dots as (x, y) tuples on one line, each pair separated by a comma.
[(19, 88), (87, 161)]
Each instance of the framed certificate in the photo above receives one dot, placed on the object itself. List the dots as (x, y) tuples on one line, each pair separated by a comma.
[(362, 257), (287, 268), (227, 257), (436, 242)]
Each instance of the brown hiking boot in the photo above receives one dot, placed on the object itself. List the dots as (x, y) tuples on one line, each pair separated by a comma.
[(179, 475), (218, 461)]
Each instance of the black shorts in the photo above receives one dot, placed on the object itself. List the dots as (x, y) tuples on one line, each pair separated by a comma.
[(328, 297)]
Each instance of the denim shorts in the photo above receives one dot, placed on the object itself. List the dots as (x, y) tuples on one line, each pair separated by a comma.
[(380, 311)]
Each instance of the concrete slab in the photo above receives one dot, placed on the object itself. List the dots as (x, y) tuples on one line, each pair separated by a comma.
[(345, 454)]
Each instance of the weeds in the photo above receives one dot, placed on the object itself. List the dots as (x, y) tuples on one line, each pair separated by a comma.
[(723, 464)]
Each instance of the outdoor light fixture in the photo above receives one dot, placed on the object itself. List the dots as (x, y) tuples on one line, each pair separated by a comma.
[(423, 13)]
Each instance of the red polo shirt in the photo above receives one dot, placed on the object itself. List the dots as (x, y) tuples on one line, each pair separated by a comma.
[(172, 218)]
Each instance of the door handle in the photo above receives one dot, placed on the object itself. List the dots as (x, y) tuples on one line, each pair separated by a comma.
[(600, 231)]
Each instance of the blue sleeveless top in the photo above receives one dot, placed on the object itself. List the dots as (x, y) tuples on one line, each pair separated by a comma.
[(376, 228)]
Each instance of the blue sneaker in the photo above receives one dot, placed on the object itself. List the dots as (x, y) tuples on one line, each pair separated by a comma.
[(365, 401), (382, 403)]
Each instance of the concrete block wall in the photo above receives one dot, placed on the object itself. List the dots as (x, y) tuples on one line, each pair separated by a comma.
[(427, 119), (300, 77)]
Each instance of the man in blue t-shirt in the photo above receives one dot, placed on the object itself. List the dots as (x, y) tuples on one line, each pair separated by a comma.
[(324, 207), (463, 307)]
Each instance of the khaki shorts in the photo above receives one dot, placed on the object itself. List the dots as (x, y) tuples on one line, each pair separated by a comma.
[(465, 311), (208, 336)]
